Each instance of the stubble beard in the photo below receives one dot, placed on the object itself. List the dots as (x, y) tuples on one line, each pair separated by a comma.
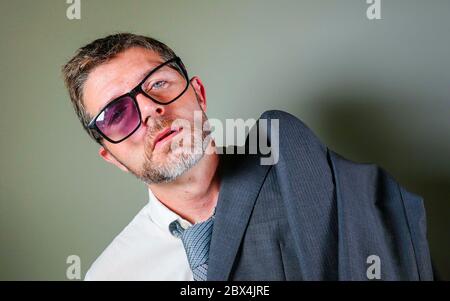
[(172, 160)]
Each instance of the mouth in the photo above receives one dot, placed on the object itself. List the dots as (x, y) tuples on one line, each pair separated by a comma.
[(165, 135)]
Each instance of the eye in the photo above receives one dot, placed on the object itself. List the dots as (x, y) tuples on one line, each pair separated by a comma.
[(159, 84), (117, 116)]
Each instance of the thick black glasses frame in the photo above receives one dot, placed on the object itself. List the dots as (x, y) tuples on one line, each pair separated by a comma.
[(136, 91)]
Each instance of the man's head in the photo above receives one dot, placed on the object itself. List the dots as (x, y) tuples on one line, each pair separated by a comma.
[(114, 66)]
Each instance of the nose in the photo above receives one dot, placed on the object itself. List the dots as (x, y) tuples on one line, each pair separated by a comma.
[(149, 109)]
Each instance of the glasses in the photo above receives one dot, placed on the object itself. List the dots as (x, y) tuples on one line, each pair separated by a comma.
[(120, 118)]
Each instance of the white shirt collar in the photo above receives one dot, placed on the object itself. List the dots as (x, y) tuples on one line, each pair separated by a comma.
[(163, 216)]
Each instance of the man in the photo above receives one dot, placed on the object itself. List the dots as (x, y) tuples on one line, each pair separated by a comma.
[(211, 215)]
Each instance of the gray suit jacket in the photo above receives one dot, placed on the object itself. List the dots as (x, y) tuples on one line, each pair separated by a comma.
[(313, 216)]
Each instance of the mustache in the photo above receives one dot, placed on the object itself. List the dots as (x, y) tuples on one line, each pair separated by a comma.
[(158, 125)]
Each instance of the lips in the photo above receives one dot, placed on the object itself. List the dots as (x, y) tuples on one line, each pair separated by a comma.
[(165, 134)]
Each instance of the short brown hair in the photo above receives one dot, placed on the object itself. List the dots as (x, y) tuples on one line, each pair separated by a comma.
[(77, 69)]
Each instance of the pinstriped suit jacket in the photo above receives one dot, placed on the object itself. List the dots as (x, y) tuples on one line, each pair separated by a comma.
[(313, 216)]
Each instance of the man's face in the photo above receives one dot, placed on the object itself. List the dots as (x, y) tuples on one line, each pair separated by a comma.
[(141, 154)]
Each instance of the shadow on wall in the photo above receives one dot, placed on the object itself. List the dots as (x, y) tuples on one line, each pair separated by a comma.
[(365, 126)]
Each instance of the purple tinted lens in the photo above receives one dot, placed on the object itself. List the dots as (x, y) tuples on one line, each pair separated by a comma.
[(119, 119)]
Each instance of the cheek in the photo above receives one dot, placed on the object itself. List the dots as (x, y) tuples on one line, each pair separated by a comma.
[(189, 112), (132, 155), (188, 102), (137, 140)]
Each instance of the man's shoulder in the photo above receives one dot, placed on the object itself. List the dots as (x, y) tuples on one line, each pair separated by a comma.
[(297, 140)]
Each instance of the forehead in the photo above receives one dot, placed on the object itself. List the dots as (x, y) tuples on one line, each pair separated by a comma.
[(117, 76)]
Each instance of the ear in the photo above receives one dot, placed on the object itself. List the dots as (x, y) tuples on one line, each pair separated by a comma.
[(108, 157), (200, 89)]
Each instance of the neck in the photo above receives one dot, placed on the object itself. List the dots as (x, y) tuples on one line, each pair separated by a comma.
[(194, 194)]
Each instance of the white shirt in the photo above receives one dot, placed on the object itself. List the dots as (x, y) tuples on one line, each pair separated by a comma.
[(145, 249)]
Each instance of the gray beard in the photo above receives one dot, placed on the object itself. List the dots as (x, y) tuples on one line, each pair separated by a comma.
[(173, 167), (177, 161)]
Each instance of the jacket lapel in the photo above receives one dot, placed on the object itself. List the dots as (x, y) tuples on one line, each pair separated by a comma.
[(241, 179)]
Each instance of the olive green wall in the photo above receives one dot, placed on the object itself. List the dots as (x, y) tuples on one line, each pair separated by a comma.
[(373, 91)]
